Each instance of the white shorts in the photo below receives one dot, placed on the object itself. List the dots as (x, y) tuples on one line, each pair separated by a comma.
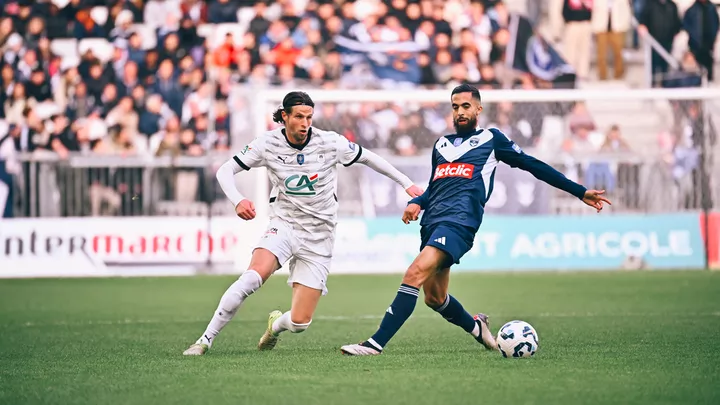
[(308, 263)]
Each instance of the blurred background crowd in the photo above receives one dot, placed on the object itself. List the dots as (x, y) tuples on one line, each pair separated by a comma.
[(161, 77)]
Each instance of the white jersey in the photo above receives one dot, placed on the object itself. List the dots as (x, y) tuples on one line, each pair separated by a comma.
[(304, 178)]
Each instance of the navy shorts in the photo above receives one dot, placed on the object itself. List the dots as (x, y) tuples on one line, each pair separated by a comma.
[(453, 239)]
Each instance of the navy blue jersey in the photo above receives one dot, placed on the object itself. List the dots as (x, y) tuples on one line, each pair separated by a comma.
[(463, 171)]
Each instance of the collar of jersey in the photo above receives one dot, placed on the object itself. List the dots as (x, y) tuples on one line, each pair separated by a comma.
[(298, 147), (469, 134)]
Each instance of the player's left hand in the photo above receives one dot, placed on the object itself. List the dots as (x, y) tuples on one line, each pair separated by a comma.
[(414, 191), (412, 211), (595, 199)]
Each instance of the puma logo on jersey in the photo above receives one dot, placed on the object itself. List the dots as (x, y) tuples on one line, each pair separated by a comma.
[(463, 170)]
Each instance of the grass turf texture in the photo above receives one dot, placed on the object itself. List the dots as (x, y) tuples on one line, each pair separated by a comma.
[(631, 338)]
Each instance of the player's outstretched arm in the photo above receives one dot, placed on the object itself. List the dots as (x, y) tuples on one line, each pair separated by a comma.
[(225, 175), (349, 153), (382, 166), (424, 199), (506, 151)]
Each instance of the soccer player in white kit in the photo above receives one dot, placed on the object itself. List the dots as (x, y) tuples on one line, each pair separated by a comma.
[(302, 166)]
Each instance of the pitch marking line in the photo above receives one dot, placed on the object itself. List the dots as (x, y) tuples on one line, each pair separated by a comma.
[(344, 318)]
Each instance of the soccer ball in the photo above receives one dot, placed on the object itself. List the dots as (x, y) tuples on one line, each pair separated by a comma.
[(517, 339)]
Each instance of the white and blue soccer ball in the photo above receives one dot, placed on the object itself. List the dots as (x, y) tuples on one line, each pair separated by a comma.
[(517, 339)]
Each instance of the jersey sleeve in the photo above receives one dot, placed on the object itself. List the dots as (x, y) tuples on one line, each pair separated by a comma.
[(347, 152), (508, 152), (423, 199), (252, 155)]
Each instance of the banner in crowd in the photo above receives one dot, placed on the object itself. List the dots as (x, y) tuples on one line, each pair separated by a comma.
[(515, 192), (78, 247), (394, 60)]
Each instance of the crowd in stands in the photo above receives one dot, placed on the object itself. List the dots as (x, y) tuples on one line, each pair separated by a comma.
[(133, 76), (157, 77), (578, 22)]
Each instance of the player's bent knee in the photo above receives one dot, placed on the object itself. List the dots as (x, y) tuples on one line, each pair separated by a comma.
[(250, 281), (243, 287), (264, 262), (415, 275), (300, 318), (299, 327)]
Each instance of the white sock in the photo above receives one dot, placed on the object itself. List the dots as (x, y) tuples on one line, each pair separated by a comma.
[(285, 323), (248, 283), (476, 330)]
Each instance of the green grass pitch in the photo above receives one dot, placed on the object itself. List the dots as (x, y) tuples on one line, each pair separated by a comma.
[(605, 338)]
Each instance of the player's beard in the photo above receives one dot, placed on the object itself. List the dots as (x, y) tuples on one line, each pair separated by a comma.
[(468, 126)]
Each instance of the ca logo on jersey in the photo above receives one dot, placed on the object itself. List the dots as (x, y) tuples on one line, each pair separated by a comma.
[(301, 184)]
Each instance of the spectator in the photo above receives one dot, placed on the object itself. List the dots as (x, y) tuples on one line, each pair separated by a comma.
[(124, 115), (35, 31), (79, 102), (128, 79), (39, 86), (583, 138), (171, 49), (123, 23), (62, 141), (188, 36), (17, 103), (135, 51), (85, 26), (577, 33), (611, 21), (702, 23), (194, 10), (259, 25), (614, 141), (661, 20), (167, 141), (222, 11), (150, 118), (168, 87), (224, 54), (56, 23)]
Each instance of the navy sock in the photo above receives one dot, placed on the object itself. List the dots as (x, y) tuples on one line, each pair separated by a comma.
[(453, 311), (395, 316)]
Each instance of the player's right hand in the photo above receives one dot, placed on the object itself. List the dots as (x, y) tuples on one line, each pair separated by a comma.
[(245, 210), (595, 199), (412, 211)]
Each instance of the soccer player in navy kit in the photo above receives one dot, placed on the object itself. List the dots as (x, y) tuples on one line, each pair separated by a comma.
[(463, 168)]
